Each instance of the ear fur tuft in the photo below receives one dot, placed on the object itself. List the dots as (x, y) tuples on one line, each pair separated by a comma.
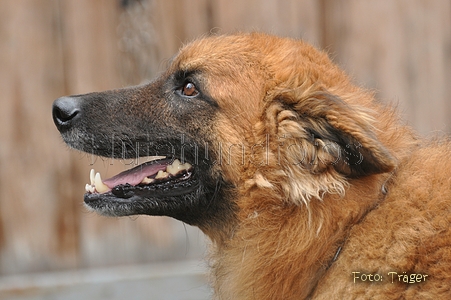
[(342, 135)]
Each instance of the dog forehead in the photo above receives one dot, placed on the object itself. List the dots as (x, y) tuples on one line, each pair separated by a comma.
[(241, 55), (217, 53)]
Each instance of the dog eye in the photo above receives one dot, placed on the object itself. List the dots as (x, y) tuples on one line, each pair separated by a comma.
[(189, 90)]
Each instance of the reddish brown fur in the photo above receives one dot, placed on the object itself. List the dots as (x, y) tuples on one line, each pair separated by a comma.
[(292, 219)]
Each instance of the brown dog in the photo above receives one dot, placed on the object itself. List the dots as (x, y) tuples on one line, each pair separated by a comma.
[(307, 186)]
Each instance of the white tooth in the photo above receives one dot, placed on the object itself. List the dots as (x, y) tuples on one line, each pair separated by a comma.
[(89, 188), (185, 166), (147, 180), (170, 170), (176, 162), (174, 167), (161, 174), (99, 185), (91, 176)]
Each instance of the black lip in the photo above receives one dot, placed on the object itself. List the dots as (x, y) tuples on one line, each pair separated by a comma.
[(185, 183), (163, 199)]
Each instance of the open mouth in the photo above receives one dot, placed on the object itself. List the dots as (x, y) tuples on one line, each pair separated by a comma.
[(160, 175)]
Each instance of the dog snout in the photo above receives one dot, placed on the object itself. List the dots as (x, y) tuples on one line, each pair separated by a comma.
[(66, 111)]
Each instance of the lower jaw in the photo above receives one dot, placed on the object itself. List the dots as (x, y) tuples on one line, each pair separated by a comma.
[(186, 208), (158, 199), (202, 205)]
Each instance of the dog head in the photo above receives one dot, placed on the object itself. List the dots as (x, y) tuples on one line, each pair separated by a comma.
[(230, 113)]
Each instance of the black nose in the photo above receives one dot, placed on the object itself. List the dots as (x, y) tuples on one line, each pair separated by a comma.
[(66, 111)]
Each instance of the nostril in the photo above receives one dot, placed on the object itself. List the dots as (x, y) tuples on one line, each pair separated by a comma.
[(64, 116), (65, 111)]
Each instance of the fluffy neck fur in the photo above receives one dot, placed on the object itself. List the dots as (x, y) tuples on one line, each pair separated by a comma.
[(287, 245)]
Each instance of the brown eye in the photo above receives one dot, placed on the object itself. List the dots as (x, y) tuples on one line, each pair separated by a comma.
[(189, 90)]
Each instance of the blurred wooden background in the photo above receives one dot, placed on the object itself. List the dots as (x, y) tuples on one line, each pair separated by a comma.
[(50, 48)]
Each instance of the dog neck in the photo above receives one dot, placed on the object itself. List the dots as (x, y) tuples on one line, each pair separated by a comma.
[(281, 250), (384, 192)]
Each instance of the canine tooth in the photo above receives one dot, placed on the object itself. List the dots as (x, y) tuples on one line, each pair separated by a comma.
[(174, 167), (99, 185), (161, 174), (147, 180), (91, 176)]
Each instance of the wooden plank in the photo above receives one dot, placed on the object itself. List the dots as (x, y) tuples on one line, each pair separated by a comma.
[(90, 45), (30, 78), (401, 49), (300, 19)]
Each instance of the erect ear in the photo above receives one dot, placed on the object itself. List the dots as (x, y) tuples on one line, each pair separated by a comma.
[(342, 136)]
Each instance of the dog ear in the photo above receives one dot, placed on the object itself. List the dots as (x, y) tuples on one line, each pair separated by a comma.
[(339, 136)]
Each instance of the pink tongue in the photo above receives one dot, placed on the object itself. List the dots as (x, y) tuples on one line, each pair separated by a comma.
[(136, 175)]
